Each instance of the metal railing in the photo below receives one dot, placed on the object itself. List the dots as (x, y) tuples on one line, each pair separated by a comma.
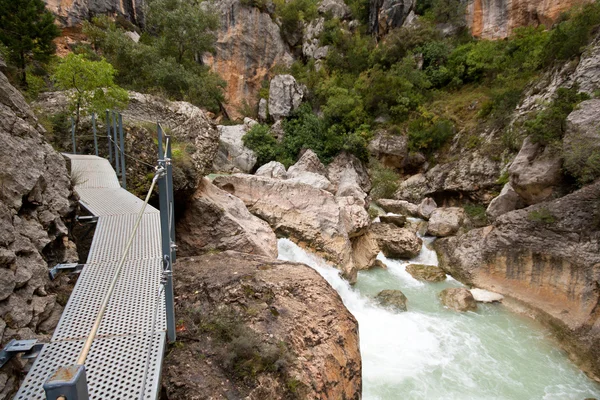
[(69, 382)]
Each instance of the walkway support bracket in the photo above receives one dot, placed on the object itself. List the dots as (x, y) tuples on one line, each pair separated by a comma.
[(67, 383)]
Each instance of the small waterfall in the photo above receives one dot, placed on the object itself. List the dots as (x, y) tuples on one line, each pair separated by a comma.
[(433, 353)]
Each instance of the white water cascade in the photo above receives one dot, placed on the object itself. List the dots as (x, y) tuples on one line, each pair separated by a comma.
[(431, 353)]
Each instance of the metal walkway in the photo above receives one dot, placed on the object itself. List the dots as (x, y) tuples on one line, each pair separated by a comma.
[(126, 358)]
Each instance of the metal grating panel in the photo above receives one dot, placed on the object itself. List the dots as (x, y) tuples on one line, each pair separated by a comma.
[(111, 202), (132, 306), (112, 233), (92, 172), (95, 180), (115, 367)]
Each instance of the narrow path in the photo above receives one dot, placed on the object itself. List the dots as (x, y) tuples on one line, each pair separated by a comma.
[(126, 357)]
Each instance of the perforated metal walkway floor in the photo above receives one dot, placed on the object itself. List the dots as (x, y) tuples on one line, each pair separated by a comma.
[(126, 358)]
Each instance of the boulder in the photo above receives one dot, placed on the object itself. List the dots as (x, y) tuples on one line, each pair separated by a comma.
[(426, 208), (507, 200), (379, 264), (396, 242), (458, 299), (308, 215), (282, 322), (232, 155), (398, 220), (365, 250), (428, 273), (310, 171), (273, 169), (391, 150), (263, 113), (485, 296), (393, 299), (401, 207), (285, 96), (385, 15), (348, 186), (535, 172), (353, 215), (215, 220), (343, 161), (337, 8), (445, 221)]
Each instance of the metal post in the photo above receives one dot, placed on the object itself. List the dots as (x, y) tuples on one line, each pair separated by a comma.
[(122, 141), (164, 197), (95, 138), (171, 201), (115, 141), (73, 135), (108, 136)]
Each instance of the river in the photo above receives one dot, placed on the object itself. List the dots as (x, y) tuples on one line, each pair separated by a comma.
[(430, 352)]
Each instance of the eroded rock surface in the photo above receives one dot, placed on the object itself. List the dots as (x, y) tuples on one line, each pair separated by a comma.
[(396, 242), (232, 155), (445, 221), (394, 299), (279, 319), (285, 96), (385, 15), (428, 273), (458, 299), (71, 13), (401, 207)]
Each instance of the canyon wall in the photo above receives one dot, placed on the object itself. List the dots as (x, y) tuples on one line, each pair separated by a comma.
[(496, 19), (70, 13)]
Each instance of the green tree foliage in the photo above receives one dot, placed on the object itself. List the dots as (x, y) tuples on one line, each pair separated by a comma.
[(27, 30), (166, 58), (90, 84), (262, 142), (293, 13), (428, 133)]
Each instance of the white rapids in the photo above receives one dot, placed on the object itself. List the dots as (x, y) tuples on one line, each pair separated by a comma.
[(433, 353)]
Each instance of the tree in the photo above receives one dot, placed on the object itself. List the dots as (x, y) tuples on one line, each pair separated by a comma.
[(91, 85), (27, 30)]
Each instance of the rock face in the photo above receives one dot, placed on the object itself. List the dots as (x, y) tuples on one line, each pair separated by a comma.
[(426, 208), (385, 15), (394, 299), (272, 169), (34, 203), (546, 256), (308, 215), (497, 19), (71, 13), (391, 150), (507, 200), (365, 250), (458, 299), (396, 242), (309, 170), (215, 220), (249, 45), (581, 141), (428, 273), (285, 95), (278, 320), (485, 296), (344, 161), (232, 155), (535, 172), (401, 207), (445, 221), (311, 46)]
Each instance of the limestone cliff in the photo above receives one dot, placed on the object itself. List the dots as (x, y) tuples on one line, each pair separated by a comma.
[(71, 13), (34, 202), (496, 19)]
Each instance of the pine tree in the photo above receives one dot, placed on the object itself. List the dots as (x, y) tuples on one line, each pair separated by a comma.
[(27, 29)]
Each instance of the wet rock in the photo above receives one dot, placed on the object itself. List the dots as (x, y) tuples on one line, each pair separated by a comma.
[(214, 220), (273, 169), (458, 299), (445, 221), (232, 155), (394, 299), (391, 150), (426, 208), (379, 264), (398, 220), (428, 273), (507, 200), (401, 207), (396, 242), (485, 296), (365, 250), (284, 311), (285, 96)]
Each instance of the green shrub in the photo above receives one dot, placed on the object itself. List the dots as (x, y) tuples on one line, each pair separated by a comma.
[(260, 140), (582, 159), (384, 181), (428, 133), (477, 214), (293, 13)]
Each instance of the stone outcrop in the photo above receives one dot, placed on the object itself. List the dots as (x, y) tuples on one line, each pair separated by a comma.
[(426, 208), (385, 15), (458, 299), (396, 242), (497, 19), (214, 220), (71, 13), (232, 155), (337, 8), (308, 215), (401, 207), (581, 142), (398, 220), (365, 250), (344, 161), (279, 321), (249, 45), (391, 150), (392, 299), (35, 202), (428, 273), (507, 200), (311, 46), (445, 221), (285, 95), (273, 169), (309, 170), (546, 256)]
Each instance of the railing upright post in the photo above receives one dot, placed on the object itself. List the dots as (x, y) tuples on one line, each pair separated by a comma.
[(165, 198), (108, 124), (171, 201), (115, 141), (95, 138), (122, 141), (73, 135)]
